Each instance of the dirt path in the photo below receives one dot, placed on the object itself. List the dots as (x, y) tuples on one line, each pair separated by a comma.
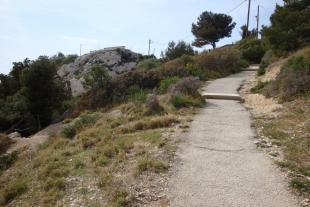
[(219, 162)]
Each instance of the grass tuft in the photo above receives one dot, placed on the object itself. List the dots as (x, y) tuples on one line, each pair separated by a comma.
[(152, 165), (14, 190)]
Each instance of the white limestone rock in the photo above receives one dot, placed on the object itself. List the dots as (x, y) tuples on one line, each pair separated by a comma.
[(117, 60)]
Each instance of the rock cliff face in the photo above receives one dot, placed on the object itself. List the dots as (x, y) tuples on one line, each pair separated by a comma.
[(117, 60)]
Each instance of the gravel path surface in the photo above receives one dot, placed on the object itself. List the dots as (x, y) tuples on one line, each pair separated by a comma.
[(219, 164)]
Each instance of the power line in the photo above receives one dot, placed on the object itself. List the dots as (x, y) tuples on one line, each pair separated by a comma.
[(233, 9)]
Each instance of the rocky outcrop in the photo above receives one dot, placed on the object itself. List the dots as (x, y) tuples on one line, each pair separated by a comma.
[(117, 60)]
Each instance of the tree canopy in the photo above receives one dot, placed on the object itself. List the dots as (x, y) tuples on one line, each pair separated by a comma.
[(250, 33), (42, 90), (176, 50), (211, 27), (290, 26)]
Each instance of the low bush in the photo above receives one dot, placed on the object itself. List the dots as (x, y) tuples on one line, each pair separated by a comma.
[(136, 94), (6, 160), (153, 105), (148, 64), (259, 87), (158, 122), (181, 100), (5, 143), (195, 71), (110, 151), (69, 131), (303, 184), (87, 118), (79, 164), (152, 165), (293, 80), (166, 83), (219, 62), (14, 190), (120, 198), (262, 69), (55, 183), (252, 49), (189, 86)]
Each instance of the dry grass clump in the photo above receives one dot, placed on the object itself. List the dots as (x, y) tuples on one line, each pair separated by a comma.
[(5, 143), (153, 106), (153, 123), (13, 190), (151, 165)]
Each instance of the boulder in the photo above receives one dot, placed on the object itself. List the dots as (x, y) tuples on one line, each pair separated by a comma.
[(14, 135), (117, 60)]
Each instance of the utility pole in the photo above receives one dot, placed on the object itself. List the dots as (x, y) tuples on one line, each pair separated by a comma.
[(150, 42), (248, 20), (257, 19), (80, 50)]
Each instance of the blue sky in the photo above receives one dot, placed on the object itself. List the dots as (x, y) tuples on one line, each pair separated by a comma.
[(35, 27)]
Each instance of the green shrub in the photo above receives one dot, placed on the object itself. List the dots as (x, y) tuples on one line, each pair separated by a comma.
[(5, 143), (259, 87), (293, 80), (15, 189), (166, 83), (176, 50), (289, 28), (243, 63), (97, 78), (136, 94), (219, 62), (195, 71), (6, 160), (179, 101), (79, 164), (103, 161), (87, 118), (298, 63), (252, 49), (148, 64), (69, 131), (262, 70), (55, 183), (302, 184), (120, 198), (152, 165), (110, 151)]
